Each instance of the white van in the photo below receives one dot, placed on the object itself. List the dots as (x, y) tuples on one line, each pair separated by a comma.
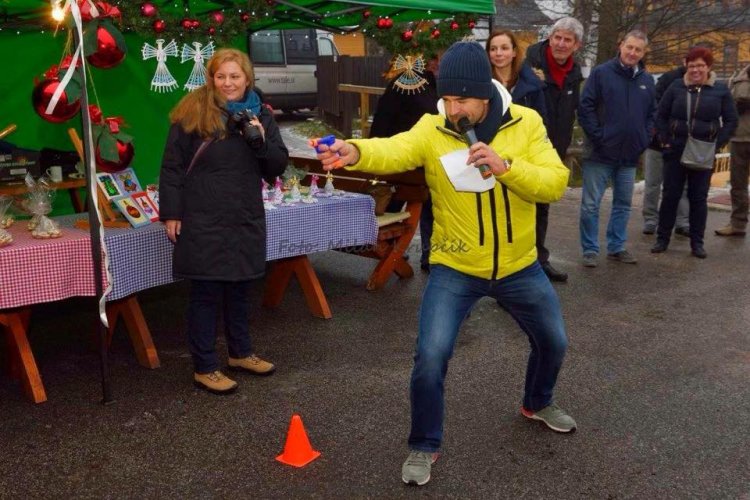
[(285, 65)]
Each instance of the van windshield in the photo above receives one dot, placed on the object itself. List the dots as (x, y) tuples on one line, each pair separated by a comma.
[(268, 47)]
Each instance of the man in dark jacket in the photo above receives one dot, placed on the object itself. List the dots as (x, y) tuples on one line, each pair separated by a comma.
[(653, 171), (617, 113), (552, 61)]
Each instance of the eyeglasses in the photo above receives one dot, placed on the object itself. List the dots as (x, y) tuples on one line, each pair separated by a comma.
[(697, 66)]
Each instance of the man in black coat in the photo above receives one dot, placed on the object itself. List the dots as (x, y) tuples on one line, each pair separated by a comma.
[(552, 60)]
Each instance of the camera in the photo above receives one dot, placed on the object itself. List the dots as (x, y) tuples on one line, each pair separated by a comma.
[(250, 132)]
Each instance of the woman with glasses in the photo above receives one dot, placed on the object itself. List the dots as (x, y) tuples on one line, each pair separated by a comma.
[(712, 117)]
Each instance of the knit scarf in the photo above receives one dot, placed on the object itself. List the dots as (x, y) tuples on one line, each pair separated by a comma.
[(250, 101), (487, 128), (556, 71)]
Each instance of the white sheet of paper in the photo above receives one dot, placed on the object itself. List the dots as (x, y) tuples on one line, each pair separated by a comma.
[(465, 177)]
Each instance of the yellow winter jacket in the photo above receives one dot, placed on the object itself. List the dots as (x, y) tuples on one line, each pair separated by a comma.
[(492, 234)]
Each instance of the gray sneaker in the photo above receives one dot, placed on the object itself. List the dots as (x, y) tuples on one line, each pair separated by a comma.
[(553, 416), (416, 469), (623, 256), (590, 260)]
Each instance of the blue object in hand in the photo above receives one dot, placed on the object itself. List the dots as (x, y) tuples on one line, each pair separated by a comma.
[(327, 140)]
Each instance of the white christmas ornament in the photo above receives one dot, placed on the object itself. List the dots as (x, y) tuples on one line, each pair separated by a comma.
[(163, 80), (200, 55)]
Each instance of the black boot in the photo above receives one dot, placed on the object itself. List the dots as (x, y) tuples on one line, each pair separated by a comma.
[(699, 251), (660, 246), (553, 274)]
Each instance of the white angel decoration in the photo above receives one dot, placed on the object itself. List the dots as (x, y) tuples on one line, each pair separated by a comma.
[(200, 55), (163, 80)]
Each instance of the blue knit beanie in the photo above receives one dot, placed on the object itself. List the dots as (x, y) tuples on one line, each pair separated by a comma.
[(465, 72)]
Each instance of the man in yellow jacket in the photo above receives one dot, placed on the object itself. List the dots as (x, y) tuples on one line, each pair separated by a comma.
[(483, 242)]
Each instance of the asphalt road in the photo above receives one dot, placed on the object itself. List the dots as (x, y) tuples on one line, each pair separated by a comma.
[(656, 375)]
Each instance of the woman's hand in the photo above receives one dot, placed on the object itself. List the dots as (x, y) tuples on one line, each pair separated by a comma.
[(256, 121), (173, 228), (339, 154)]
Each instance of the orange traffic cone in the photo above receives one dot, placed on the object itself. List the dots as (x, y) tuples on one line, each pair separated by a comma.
[(297, 451)]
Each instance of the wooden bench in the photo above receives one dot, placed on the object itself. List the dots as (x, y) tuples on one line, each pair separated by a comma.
[(395, 230)]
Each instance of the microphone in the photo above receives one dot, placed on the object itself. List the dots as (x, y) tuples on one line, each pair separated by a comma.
[(467, 130)]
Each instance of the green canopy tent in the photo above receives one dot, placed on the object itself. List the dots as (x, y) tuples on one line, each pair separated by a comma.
[(33, 44), (322, 14)]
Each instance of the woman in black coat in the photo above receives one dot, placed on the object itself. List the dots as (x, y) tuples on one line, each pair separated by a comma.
[(212, 208), (713, 118)]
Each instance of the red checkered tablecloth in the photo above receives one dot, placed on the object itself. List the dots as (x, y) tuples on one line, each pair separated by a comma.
[(34, 271)]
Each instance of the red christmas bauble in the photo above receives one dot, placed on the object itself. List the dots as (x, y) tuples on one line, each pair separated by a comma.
[(159, 25), (42, 95), (381, 24), (195, 24), (388, 22), (244, 17), (435, 33), (148, 9), (454, 25), (407, 35), (472, 24), (186, 23), (108, 54), (366, 14), (212, 31), (124, 151), (217, 17), (271, 2)]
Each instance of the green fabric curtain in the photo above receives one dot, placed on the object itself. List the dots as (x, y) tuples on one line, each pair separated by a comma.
[(124, 90)]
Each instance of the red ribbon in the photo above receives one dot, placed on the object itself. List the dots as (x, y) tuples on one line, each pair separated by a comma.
[(97, 118), (105, 10), (114, 122), (54, 71)]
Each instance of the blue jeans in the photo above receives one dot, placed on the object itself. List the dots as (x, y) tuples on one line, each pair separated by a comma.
[(595, 178), (527, 295), (206, 298)]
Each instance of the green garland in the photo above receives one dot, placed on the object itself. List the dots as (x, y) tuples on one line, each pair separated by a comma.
[(424, 39), (234, 22)]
